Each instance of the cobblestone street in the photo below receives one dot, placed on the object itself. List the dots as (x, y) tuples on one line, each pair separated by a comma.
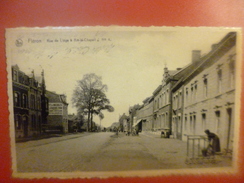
[(105, 152)]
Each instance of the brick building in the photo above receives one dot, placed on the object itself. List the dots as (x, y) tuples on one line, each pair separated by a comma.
[(29, 103)]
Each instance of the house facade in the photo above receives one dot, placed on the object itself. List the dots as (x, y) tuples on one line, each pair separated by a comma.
[(133, 121), (124, 123), (197, 97), (177, 93), (144, 115), (28, 101), (209, 94)]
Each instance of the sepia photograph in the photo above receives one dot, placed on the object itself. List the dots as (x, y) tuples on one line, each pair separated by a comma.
[(123, 101)]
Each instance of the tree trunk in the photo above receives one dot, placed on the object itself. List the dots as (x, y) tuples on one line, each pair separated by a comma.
[(88, 121), (91, 120)]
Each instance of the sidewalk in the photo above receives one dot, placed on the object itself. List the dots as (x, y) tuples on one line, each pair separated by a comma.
[(49, 139), (44, 136), (47, 136), (174, 152)]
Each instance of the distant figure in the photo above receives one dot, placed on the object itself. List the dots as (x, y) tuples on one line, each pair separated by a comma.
[(213, 140)]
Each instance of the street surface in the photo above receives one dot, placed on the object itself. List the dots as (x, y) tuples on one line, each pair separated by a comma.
[(105, 151)]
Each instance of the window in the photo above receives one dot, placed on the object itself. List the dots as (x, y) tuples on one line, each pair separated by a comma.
[(176, 101), (179, 124), (232, 74), (205, 88), (163, 120), (166, 120), (217, 121), (185, 126), (192, 94), (160, 101), (219, 81), (191, 124), (203, 121), (38, 103), (18, 122), (194, 124), (33, 122), (33, 101), (15, 75), (180, 100), (195, 93), (186, 95), (17, 99), (24, 101)]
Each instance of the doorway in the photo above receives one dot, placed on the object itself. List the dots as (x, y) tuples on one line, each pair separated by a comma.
[(25, 123), (229, 129)]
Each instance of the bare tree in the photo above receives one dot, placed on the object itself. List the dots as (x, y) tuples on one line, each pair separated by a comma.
[(89, 97)]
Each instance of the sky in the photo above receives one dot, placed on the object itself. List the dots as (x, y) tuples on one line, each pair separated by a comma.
[(130, 60)]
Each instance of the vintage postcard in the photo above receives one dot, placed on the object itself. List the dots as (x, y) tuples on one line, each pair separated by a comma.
[(117, 101)]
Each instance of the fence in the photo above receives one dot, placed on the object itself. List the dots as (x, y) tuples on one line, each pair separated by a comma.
[(199, 150)]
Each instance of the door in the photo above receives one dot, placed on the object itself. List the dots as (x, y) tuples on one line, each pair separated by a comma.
[(25, 124), (229, 129)]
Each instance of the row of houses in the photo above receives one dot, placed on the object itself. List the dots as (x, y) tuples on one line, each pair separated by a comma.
[(36, 110), (194, 98)]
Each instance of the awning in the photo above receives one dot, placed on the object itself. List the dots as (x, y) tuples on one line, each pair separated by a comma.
[(138, 121)]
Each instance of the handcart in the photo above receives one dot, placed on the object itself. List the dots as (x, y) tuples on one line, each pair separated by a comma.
[(199, 150)]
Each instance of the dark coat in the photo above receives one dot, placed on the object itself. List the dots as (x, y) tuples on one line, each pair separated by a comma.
[(214, 141)]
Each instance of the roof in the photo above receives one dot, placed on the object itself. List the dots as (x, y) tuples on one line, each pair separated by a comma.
[(56, 98), (72, 117), (184, 72), (157, 89), (194, 68), (218, 50), (124, 116), (172, 72)]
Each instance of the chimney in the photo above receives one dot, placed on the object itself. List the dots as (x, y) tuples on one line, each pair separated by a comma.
[(196, 55), (166, 70)]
